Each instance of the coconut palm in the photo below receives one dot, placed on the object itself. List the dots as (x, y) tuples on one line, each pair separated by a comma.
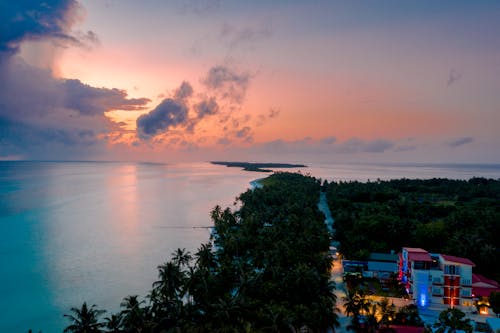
[(114, 323), (387, 311), (356, 303), (84, 320), (134, 316), (181, 257)]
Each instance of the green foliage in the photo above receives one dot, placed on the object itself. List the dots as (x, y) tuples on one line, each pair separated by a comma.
[(494, 300), (265, 269), (451, 320), (408, 315), (456, 217)]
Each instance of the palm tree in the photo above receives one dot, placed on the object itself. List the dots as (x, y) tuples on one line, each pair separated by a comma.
[(387, 311), (171, 282), (181, 257), (84, 320), (114, 323), (451, 320), (205, 258), (355, 303), (134, 317), (408, 315)]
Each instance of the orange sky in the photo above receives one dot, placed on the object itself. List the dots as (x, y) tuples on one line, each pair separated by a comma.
[(428, 73)]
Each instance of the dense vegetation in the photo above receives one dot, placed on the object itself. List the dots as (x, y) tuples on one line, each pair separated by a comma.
[(265, 269), (455, 217)]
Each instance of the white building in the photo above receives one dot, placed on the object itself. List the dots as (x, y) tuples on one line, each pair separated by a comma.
[(436, 278)]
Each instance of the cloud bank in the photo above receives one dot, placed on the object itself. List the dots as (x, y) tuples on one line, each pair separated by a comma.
[(42, 116)]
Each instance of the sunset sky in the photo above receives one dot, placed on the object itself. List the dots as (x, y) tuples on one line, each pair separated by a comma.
[(297, 81)]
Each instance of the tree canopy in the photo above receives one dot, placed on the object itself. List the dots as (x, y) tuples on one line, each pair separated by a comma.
[(266, 268), (456, 217)]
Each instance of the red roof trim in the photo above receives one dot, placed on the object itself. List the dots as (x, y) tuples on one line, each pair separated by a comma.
[(479, 278), (459, 260), (419, 256)]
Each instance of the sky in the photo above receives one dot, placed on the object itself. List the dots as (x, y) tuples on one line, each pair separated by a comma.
[(282, 81)]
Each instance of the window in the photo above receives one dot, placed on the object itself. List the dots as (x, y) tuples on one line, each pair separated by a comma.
[(437, 292), (452, 269)]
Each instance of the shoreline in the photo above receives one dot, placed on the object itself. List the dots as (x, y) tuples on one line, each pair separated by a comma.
[(256, 183)]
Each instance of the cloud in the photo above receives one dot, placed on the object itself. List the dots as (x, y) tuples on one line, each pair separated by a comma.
[(235, 36), (243, 133), (91, 101), (169, 113), (224, 141), (274, 112), (329, 140), (405, 148), (33, 20), (206, 107), (184, 91), (355, 145), (327, 145), (461, 141), (261, 118), (42, 116), (227, 82)]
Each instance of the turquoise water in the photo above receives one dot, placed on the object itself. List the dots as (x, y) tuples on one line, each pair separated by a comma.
[(85, 231)]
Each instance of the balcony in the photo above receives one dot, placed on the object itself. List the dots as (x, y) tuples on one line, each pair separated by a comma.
[(437, 282)]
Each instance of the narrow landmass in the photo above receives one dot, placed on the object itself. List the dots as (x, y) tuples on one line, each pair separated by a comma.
[(258, 167)]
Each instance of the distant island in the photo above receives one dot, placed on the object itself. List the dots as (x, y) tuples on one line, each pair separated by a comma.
[(259, 167)]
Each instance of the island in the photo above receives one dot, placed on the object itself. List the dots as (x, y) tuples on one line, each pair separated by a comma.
[(258, 167)]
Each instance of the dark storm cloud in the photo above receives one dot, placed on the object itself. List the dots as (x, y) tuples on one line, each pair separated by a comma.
[(42, 116), (32, 20), (228, 82), (169, 113), (89, 100), (461, 141)]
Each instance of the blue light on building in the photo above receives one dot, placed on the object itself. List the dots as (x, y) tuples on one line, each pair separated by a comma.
[(423, 299)]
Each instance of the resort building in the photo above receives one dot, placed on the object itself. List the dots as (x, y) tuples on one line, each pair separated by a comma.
[(482, 287), (382, 266), (436, 278)]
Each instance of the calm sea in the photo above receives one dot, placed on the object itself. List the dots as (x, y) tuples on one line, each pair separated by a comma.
[(84, 231)]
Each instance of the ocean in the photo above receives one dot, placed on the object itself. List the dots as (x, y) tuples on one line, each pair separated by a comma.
[(96, 231)]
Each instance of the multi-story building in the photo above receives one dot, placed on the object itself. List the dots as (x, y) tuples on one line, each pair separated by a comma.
[(436, 278)]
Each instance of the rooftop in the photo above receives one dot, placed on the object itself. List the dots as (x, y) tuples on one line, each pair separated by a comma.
[(414, 249), (479, 278), (459, 260), (385, 257), (419, 256)]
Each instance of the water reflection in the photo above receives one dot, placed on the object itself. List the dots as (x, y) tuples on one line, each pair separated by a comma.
[(122, 207)]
